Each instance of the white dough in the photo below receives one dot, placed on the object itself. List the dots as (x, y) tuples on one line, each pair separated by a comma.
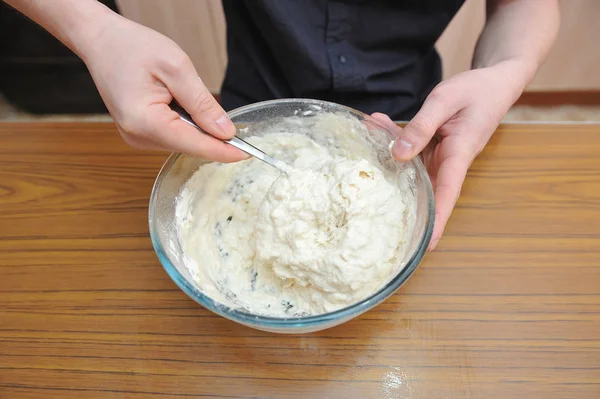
[(327, 234)]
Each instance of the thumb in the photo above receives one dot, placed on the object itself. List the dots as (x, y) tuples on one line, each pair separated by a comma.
[(415, 136), (189, 91)]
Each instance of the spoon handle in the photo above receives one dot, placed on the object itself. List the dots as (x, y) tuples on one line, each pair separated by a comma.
[(234, 141), (256, 153)]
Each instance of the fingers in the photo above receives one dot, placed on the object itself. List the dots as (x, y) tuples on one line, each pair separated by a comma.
[(386, 121), (163, 129), (448, 182), (437, 109), (187, 88), (446, 191)]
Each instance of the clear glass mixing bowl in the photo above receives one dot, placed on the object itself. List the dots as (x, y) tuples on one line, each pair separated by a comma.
[(178, 168)]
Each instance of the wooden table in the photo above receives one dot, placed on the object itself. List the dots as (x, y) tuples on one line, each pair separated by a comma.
[(507, 307)]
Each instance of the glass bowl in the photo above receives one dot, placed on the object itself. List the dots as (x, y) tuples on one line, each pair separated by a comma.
[(178, 168)]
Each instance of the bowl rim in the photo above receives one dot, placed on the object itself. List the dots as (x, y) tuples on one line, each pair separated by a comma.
[(260, 321)]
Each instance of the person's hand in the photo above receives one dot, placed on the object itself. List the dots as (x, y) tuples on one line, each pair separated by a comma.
[(454, 124), (138, 72)]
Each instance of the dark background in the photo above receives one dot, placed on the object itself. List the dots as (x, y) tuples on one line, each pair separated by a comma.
[(39, 74)]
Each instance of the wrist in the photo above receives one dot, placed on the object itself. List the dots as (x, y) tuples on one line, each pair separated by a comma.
[(516, 74), (85, 23)]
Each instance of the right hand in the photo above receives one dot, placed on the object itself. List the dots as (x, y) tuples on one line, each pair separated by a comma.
[(138, 72)]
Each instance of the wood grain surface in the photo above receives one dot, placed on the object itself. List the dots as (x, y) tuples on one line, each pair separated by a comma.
[(507, 307)]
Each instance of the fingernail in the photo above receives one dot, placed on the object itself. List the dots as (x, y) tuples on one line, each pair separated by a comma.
[(225, 126), (402, 149)]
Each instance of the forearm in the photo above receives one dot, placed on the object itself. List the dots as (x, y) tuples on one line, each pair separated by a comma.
[(76, 23), (518, 33)]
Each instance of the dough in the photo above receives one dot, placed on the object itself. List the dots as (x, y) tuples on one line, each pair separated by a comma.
[(327, 234)]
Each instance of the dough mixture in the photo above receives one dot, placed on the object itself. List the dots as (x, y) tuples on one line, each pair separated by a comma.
[(325, 235)]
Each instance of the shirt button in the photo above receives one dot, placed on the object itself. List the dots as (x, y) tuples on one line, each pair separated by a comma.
[(342, 59)]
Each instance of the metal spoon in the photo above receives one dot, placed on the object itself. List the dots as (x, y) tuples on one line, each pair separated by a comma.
[(234, 141)]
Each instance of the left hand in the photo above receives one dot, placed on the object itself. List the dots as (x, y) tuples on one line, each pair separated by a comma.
[(452, 127)]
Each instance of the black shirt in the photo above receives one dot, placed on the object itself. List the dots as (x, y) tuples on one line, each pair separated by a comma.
[(372, 55)]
